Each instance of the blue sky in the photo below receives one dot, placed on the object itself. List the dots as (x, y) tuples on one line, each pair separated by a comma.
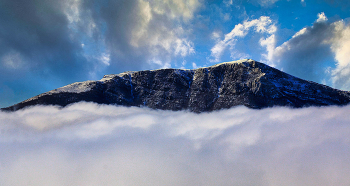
[(48, 44)]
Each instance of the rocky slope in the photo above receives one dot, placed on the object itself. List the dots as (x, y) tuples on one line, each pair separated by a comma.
[(244, 82)]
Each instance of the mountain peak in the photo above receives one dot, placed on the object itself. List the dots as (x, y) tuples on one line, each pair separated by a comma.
[(241, 61), (224, 85)]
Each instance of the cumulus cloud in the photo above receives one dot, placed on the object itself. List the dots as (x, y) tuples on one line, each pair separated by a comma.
[(90, 144), (321, 17), (144, 33), (305, 52), (311, 50), (318, 53), (264, 25), (340, 43)]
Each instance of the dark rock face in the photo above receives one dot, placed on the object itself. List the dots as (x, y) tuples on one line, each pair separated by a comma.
[(225, 85)]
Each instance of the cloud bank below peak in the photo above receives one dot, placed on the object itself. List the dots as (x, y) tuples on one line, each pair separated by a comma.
[(91, 144)]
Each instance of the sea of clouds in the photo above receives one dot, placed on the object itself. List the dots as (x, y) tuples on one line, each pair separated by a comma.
[(90, 144)]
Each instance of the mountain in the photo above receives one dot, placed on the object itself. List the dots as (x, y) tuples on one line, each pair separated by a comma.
[(225, 85)]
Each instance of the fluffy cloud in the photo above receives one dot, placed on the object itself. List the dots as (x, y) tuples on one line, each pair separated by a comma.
[(135, 34), (318, 53), (340, 46), (90, 144), (305, 52), (145, 33), (309, 53), (321, 17), (264, 25)]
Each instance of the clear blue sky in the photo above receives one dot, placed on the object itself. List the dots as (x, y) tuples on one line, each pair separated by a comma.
[(46, 44)]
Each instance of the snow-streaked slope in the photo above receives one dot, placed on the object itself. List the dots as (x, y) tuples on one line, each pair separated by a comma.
[(243, 82)]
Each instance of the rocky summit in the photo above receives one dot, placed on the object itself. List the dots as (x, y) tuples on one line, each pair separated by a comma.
[(244, 82)]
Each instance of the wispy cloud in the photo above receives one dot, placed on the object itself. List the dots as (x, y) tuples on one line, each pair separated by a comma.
[(90, 144), (263, 25)]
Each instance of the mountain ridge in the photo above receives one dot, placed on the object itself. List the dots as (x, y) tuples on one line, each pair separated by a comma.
[(225, 85)]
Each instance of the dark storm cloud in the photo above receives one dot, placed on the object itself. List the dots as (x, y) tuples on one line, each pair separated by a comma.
[(37, 47), (91, 144), (54, 43), (35, 38), (120, 19), (134, 32)]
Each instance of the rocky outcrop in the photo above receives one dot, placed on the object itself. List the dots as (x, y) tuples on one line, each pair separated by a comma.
[(225, 85)]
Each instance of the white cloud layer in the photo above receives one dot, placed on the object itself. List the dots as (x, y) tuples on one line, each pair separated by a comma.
[(90, 144)]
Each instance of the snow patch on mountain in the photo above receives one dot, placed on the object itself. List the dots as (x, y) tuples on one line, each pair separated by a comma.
[(225, 85), (77, 87), (242, 61)]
